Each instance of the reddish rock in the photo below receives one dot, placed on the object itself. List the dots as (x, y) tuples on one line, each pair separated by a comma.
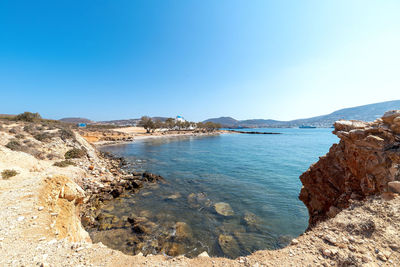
[(366, 159)]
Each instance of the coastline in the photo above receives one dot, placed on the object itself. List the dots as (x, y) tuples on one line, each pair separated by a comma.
[(41, 223), (155, 136)]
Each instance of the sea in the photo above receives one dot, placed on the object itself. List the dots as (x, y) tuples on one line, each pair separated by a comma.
[(254, 176)]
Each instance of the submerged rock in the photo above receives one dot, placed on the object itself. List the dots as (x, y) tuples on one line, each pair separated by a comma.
[(229, 245), (183, 230), (173, 197), (173, 248), (251, 220), (223, 209), (199, 200)]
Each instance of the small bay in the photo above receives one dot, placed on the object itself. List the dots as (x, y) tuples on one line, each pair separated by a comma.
[(229, 195)]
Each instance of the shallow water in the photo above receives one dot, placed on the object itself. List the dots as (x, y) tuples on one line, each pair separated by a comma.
[(257, 175)]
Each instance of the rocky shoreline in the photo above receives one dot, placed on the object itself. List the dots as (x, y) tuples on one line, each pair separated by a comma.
[(40, 222), (365, 162)]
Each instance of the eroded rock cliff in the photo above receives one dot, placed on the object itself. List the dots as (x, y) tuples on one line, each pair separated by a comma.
[(365, 162)]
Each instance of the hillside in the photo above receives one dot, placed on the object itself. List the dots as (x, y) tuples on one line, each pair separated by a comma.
[(365, 113), (75, 120), (224, 121)]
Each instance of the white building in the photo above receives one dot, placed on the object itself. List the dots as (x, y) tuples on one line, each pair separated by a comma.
[(180, 119)]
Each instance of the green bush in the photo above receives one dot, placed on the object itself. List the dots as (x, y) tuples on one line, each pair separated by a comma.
[(7, 174), (20, 136), (28, 116), (75, 153), (42, 137), (66, 134), (28, 128), (64, 163), (14, 145)]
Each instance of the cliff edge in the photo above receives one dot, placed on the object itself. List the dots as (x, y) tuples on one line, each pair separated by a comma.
[(365, 162)]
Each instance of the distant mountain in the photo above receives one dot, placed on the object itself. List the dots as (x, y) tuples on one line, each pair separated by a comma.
[(76, 120), (224, 121), (365, 113)]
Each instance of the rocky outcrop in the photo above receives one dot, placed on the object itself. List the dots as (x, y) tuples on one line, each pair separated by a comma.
[(365, 162), (63, 197)]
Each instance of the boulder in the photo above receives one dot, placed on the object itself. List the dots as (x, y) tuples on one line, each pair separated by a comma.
[(223, 209), (394, 186), (183, 230), (72, 192), (389, 116), (229, 245)]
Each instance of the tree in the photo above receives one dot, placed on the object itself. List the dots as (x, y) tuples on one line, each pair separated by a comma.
[(170, 123), (186, 125), (147, 123), (28, 116), (158, 125), (210, 126)]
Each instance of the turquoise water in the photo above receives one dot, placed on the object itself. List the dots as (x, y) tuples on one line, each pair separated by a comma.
[(257, 175)]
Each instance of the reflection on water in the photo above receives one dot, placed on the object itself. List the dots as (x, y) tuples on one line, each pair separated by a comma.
[(228, 195)]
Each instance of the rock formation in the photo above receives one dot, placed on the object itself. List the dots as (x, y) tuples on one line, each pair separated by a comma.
[(365, 162)]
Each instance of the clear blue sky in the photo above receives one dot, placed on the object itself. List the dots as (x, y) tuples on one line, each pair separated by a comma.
[(246, 59)]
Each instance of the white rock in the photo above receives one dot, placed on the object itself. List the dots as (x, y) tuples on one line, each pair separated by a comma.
[(79, 249), (40, 208), (51, 242), (294, 241), (20, 218), (204, 254)]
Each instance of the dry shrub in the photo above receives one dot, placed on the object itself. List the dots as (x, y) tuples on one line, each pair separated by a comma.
[(43, 137), (7, 174), (14, 145), (64, 163), (75, 153)]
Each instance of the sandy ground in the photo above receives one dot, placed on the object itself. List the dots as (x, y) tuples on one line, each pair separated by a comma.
[(143, 135), (366, 234)]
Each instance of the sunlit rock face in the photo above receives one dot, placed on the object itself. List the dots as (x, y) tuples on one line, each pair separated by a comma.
[(365, 162)]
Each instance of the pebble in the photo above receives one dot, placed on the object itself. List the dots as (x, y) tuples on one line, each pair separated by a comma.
[(40, 208), (79, 249), (20, 218), (204, 254), (331, 239), (326, 252), (294, 241), (366, 258), (51, 242), (381, 256)]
